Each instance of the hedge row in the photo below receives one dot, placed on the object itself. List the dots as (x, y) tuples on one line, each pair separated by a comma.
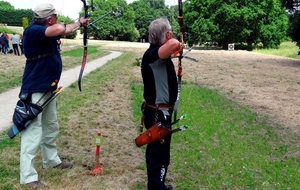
[(14, 17)]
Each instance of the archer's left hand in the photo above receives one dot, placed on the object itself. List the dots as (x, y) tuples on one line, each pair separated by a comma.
[(84, 21)]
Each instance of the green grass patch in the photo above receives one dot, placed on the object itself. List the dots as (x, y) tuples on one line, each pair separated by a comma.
[(286, 49), (227, 146), (73, 107), (10, 80), (9, 165), (78, 52), (12, 76), (6, 30), (6, 142)]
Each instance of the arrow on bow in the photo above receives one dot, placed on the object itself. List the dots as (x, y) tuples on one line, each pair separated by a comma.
[(179, 72)]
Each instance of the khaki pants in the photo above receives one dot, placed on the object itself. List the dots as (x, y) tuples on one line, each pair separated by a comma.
[(43, 132)]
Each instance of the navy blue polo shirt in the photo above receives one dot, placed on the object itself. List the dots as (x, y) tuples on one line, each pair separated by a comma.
[(43, 64), (159, 77)]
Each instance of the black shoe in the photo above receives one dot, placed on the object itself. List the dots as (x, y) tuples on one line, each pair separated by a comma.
[(35, 185), (64, 165), (168, 187)]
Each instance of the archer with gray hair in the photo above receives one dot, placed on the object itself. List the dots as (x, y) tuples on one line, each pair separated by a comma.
[(160, 94), (157, 29)]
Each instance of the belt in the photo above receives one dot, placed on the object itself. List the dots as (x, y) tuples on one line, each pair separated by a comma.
[(159, 106), (40, 56), (156, 107)]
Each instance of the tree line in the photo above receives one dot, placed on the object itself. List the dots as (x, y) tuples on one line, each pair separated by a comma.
[(13, 17), (247, 23)]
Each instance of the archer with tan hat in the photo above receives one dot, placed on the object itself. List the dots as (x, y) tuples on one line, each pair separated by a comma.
[(45, 10), (41, 76)]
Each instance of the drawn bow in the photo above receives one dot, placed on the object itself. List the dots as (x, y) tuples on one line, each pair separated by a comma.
[(85, 42), (179, 72), (85, 33)]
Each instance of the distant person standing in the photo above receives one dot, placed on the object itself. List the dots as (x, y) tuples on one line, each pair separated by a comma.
[(0, 45), (3, 42), (15, 42), (21, 44), (7, 44)]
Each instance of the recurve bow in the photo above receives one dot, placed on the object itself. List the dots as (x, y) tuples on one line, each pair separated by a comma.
[(179, 72)]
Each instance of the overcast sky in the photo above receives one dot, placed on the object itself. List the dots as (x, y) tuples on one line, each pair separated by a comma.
[(69, 8)]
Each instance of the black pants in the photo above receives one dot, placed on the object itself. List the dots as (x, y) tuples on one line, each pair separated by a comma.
[(4, 48), (157, 153), (16, 49)]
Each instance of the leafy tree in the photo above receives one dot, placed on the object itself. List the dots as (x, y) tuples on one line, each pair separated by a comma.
[(11, 16), (275, 25), (14, 17), (247, 21), (144, 14), (113, 26), (290, 4), (25, 22), (171, 13), (67, 20), (294, 28), (294, 19), (4, 5), (159, 7), (148, 10), (173, 10)]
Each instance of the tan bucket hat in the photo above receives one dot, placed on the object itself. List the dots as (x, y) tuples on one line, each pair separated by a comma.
[(45, 10)]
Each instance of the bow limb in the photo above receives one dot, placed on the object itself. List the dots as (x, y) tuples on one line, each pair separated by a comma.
[(85, 43), (179, 72), (180, 22)]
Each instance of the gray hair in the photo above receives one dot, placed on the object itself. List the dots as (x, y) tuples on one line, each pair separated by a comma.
[(40, 21), (157, 30)]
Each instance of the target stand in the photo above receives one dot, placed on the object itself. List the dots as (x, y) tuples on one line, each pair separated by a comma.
[(231, 47)]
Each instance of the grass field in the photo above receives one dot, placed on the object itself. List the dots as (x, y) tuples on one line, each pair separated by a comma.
[(228, 146), (287, 49)]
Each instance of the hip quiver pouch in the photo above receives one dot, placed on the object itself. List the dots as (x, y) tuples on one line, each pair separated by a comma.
[(25, 111), (155, 132)]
